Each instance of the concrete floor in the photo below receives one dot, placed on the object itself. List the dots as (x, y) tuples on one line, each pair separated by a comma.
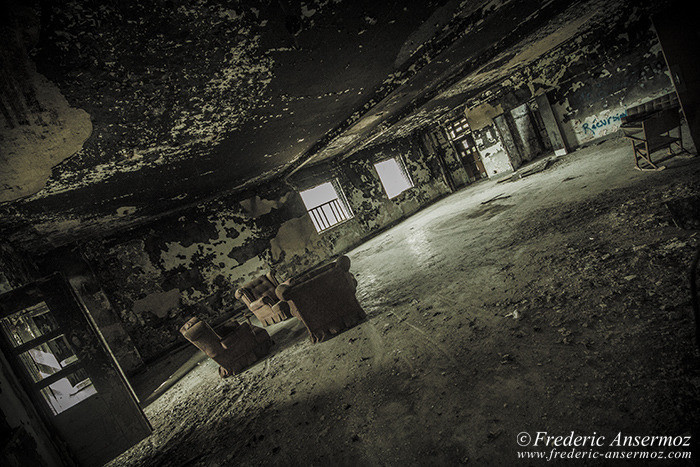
[(558, 302)]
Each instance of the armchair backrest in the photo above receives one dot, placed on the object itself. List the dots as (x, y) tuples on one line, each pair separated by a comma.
[(316, 279), (203, 336), (324, 299), (667, 101), (342, 262), (659, 123)]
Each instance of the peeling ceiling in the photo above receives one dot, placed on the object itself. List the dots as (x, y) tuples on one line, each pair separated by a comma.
[(114, 113)]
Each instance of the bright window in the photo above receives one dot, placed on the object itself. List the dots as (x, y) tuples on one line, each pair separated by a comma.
[(393, 176), (325, 206)]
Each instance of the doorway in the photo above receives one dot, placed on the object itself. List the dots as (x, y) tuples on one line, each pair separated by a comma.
[(460, 135), (67, 372)]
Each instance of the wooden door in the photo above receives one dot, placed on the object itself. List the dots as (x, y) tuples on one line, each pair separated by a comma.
[(68, 372), (471, 159)]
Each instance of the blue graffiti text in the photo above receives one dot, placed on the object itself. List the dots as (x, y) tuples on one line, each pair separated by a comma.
[(598, 124)]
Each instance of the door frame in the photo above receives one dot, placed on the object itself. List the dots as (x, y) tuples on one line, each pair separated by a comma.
[(75, 323)]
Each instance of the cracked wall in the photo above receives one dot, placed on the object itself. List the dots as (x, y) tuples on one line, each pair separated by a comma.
[(39, 129), (191, 263)]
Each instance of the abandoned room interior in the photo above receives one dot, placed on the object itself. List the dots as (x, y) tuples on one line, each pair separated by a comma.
[(328, 232)]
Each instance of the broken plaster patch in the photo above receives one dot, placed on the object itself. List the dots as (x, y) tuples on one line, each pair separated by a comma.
[(159, 304), (177, 255), (126, 210), (482, 116), (256, 206), (30, 151), (294, 237), (212, 258)]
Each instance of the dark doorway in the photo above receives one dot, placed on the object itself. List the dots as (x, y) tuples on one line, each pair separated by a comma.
[(67, 371), (679, 37), (528, 134), (460, 135)]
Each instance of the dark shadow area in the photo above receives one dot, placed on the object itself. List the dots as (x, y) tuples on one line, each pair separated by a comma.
[(326, 427), (163, 373), (685, 212), (286, 334)]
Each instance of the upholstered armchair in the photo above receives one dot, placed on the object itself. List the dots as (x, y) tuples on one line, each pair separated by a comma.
[(324, 299), (260, 297), (241, 346)]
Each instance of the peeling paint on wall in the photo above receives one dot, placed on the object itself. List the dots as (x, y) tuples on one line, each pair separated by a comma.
[(192, 262), (159, 303), (204, 251), (31, 146), (483, 115), (147, 112), (592, 76), (293, 238), (256, 206)]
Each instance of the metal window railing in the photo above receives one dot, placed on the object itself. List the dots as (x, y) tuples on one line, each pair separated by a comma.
[(326, 215)]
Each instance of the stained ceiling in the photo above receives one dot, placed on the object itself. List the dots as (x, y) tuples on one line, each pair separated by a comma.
[(114, 113)]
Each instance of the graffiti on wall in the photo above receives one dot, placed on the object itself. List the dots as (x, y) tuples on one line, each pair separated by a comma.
[(598, 124)]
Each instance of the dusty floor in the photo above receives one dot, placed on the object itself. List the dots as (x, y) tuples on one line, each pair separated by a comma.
[(562, 305)]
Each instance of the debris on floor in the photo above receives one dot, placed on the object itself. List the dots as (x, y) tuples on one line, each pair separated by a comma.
[(594, 271)]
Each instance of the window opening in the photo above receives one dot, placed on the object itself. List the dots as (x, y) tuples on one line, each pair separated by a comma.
[(394, 176), (325, 206)]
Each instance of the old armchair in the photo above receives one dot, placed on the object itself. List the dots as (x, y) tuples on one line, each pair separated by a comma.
[(241, 346), (260, 298), (324, 299)]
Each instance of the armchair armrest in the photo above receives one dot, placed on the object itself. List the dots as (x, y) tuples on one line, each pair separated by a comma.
[(244, 295), (282, 291), (272, 276), (343, 263)]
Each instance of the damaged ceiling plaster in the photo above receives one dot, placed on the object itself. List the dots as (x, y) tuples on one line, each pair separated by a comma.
[(117, 113)]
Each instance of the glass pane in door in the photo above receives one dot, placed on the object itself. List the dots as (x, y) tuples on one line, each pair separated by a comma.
[(28, 324), (66, 392), (48, 357)]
